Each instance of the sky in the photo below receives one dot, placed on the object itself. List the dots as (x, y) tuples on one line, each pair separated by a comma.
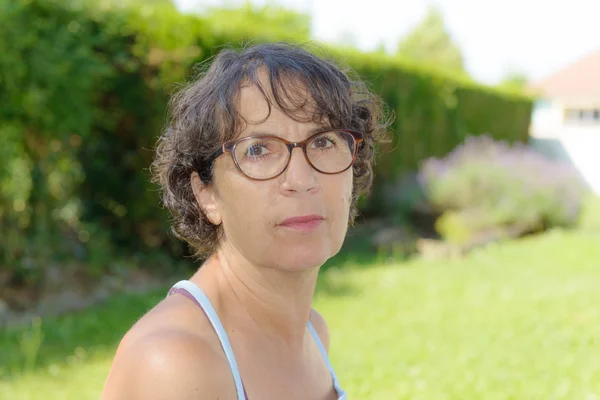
[(497, 37)]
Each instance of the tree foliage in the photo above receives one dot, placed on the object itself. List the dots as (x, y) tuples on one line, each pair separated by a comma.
[(515, 81), (430, 42), (268, 21)]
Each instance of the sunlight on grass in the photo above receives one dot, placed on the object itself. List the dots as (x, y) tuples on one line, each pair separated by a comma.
[(79, 381), (519, 320)]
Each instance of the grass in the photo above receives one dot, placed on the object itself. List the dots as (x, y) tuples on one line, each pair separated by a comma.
[(519, 320), (515, 321)]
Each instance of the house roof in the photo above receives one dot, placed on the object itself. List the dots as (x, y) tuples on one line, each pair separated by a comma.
[(580, 79)]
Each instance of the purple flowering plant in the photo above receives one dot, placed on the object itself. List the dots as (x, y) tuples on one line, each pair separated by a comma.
[(489, 184)]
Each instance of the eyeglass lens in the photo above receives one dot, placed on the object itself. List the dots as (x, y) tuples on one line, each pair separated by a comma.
[(262, 158)]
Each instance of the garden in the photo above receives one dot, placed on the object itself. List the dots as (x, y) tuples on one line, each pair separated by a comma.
[(471, 271)]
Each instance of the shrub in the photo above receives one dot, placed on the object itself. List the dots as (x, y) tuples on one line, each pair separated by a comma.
[(486, 189)]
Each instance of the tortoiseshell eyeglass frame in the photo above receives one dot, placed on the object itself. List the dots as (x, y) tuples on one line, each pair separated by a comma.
[(229, 147)]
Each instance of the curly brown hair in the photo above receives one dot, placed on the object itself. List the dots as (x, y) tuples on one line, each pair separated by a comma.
[(203, 116)]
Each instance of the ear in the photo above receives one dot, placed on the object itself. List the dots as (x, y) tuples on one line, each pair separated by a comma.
[(206, 198)]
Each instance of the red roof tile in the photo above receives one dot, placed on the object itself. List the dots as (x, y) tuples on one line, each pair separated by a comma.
[(581, 78)]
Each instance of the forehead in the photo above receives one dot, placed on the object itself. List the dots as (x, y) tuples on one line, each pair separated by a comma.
[(257, 103), (252, 104)]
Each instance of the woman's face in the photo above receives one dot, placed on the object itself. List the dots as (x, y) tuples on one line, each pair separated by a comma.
[(255, 215)]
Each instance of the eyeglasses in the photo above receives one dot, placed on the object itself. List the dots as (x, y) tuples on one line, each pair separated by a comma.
[(266, 156)]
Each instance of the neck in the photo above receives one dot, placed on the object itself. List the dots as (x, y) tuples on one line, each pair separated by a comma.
[(274, 302)]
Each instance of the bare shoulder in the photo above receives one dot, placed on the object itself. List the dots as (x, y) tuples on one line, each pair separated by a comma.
[(320, 326), (161, 360)]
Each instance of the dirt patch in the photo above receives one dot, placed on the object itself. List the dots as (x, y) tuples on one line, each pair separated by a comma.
[(66, 291)]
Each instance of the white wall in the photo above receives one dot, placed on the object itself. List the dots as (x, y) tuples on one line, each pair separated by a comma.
[(548, 118), (575, 143), (579, 147)]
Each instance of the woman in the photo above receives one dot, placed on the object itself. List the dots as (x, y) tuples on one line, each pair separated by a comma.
[(261, 166)]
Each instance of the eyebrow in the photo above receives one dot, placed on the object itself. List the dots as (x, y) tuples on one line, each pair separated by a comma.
[(311, 132)]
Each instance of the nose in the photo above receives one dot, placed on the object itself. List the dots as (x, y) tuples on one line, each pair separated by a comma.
[(299, 176)]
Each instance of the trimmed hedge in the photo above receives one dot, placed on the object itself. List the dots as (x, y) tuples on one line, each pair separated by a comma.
[(84, 87), (434, 112)]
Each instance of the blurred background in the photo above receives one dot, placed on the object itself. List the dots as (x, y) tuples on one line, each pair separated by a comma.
[(473, 270)]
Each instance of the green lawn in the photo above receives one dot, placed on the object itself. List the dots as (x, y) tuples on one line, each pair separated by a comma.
[(519, 320)]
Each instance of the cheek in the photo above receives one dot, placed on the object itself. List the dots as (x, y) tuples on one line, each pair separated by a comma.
[(347, 186), (340, 195), (243, 208)]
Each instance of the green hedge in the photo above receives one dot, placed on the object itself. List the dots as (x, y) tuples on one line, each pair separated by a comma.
[(84, 87), (434, 112)]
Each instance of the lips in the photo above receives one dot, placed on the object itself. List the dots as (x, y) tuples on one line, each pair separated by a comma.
[(305, 223)]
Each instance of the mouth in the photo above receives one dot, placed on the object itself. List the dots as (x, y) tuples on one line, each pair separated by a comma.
[(305, 223)]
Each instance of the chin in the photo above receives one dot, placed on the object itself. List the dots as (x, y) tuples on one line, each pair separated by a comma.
[(306, 256)]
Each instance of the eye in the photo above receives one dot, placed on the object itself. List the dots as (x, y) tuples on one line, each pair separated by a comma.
[(323, 142), (257, 150)]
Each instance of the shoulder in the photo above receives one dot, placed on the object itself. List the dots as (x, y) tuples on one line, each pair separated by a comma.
[(167, 361), (318, 322)]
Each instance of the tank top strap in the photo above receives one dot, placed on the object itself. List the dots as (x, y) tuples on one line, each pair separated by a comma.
[(204, 303), (341, 393)]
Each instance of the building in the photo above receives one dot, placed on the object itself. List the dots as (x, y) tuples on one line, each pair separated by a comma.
[(566, 118)]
